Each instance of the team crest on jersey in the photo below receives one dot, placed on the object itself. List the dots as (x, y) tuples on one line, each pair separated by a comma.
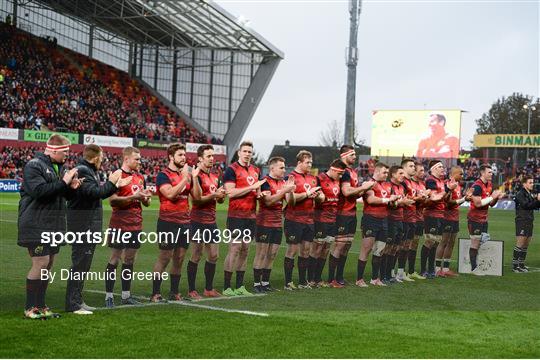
[(250, 180), (335, 190)]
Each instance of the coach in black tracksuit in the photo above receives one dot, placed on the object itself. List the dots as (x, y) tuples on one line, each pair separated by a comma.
[(526, 203), (85, 212)]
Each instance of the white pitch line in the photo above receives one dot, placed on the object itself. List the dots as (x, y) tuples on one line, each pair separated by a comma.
[(187, 303), (8, 221)]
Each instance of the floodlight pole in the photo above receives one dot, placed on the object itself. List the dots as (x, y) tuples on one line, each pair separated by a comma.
[(355, 7)]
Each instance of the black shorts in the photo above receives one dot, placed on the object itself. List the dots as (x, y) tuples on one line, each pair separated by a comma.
[(346, 225), (124, 241), (38, 249), (296, 232), (179, 237), (269, 235), (433, 226), (204, 233), (323, 230), (450, 226), (524, 228), (395, 232), (476, 228), (374, 227), (247, 227), (409, 229), (419, 225)]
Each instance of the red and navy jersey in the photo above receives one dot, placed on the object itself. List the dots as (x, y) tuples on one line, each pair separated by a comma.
[(452, 211), (271, 216), (302, 211), (177, 210), (242, 176), (206, 213), (326, 211), (409, 212), (129, 216), (420, 186), (480, 214), (396, 213), (383, 190), (347, 204), (435, 209)]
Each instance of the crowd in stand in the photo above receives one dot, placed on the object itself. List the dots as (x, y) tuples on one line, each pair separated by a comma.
[(41, 88)]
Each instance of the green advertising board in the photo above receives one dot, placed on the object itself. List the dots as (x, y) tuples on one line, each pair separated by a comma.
[(43, 136)]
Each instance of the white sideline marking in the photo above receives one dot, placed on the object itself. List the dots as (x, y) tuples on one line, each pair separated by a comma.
[(187, 303), (8, 221)]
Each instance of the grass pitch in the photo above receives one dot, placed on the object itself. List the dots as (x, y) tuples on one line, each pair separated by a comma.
[(480, 317)]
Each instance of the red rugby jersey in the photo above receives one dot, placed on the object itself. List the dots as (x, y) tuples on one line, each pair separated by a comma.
[(177, 210), (206, 213), (128, 217), (480, 214), (409, 212), (435, 209), (242, 207), (396, 213), (381, 189), (452, 211), (302, 211), (271, 216), (326, 211), (347, 204)]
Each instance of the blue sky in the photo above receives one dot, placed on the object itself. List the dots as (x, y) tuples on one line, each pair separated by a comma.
[(412, 55)]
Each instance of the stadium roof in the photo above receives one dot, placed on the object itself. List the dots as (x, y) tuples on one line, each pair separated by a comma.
[(168, 23)]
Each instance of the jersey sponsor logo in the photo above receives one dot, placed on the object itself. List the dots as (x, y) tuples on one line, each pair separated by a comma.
[(213, 188), (135, 188), (307, 187), (335, 190), (250, 180), (384, 193)]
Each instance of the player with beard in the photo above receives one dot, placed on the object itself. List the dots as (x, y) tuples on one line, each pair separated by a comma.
[(205, 193), (375, 225), (434, 216), (275, 191), (242, 185), (173, 186), (346, 220), (298, 226), (453, 200), (526, 203), (325, 222), (482, 198), (126, 218)]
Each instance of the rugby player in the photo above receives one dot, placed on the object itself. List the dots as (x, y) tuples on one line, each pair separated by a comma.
[(298, 226), (526, 203), (173, 186), (422, 197), (325, 223), (434, 216), (395, 228), (42, 208), (375, 225), (346, 220), (242, 185), (205, 192), (482, 198), (453, 200), (275, 191), (126, 218)]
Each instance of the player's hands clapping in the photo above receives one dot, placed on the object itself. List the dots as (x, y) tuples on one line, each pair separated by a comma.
[(497, 194), (367, 185), (220, 193), (468, 194), (70, 175), (313, 192), (289, 186), (195, 171), (258, 184), (117, 180), (452, 184), (185, 171)]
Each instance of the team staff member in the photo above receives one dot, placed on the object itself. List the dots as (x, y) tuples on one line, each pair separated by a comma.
[(482, 198), (173, 188), (298, 226), (126, 218), (42, 208), (275, 192), (85, 213), (526, 203), (204, 231), (243, 187)]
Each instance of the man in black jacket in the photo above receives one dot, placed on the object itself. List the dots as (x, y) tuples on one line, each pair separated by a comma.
[(526, 203), (42, 211), (85, 216)]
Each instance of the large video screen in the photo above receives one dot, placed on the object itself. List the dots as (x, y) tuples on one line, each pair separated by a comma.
[(422, 133)]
